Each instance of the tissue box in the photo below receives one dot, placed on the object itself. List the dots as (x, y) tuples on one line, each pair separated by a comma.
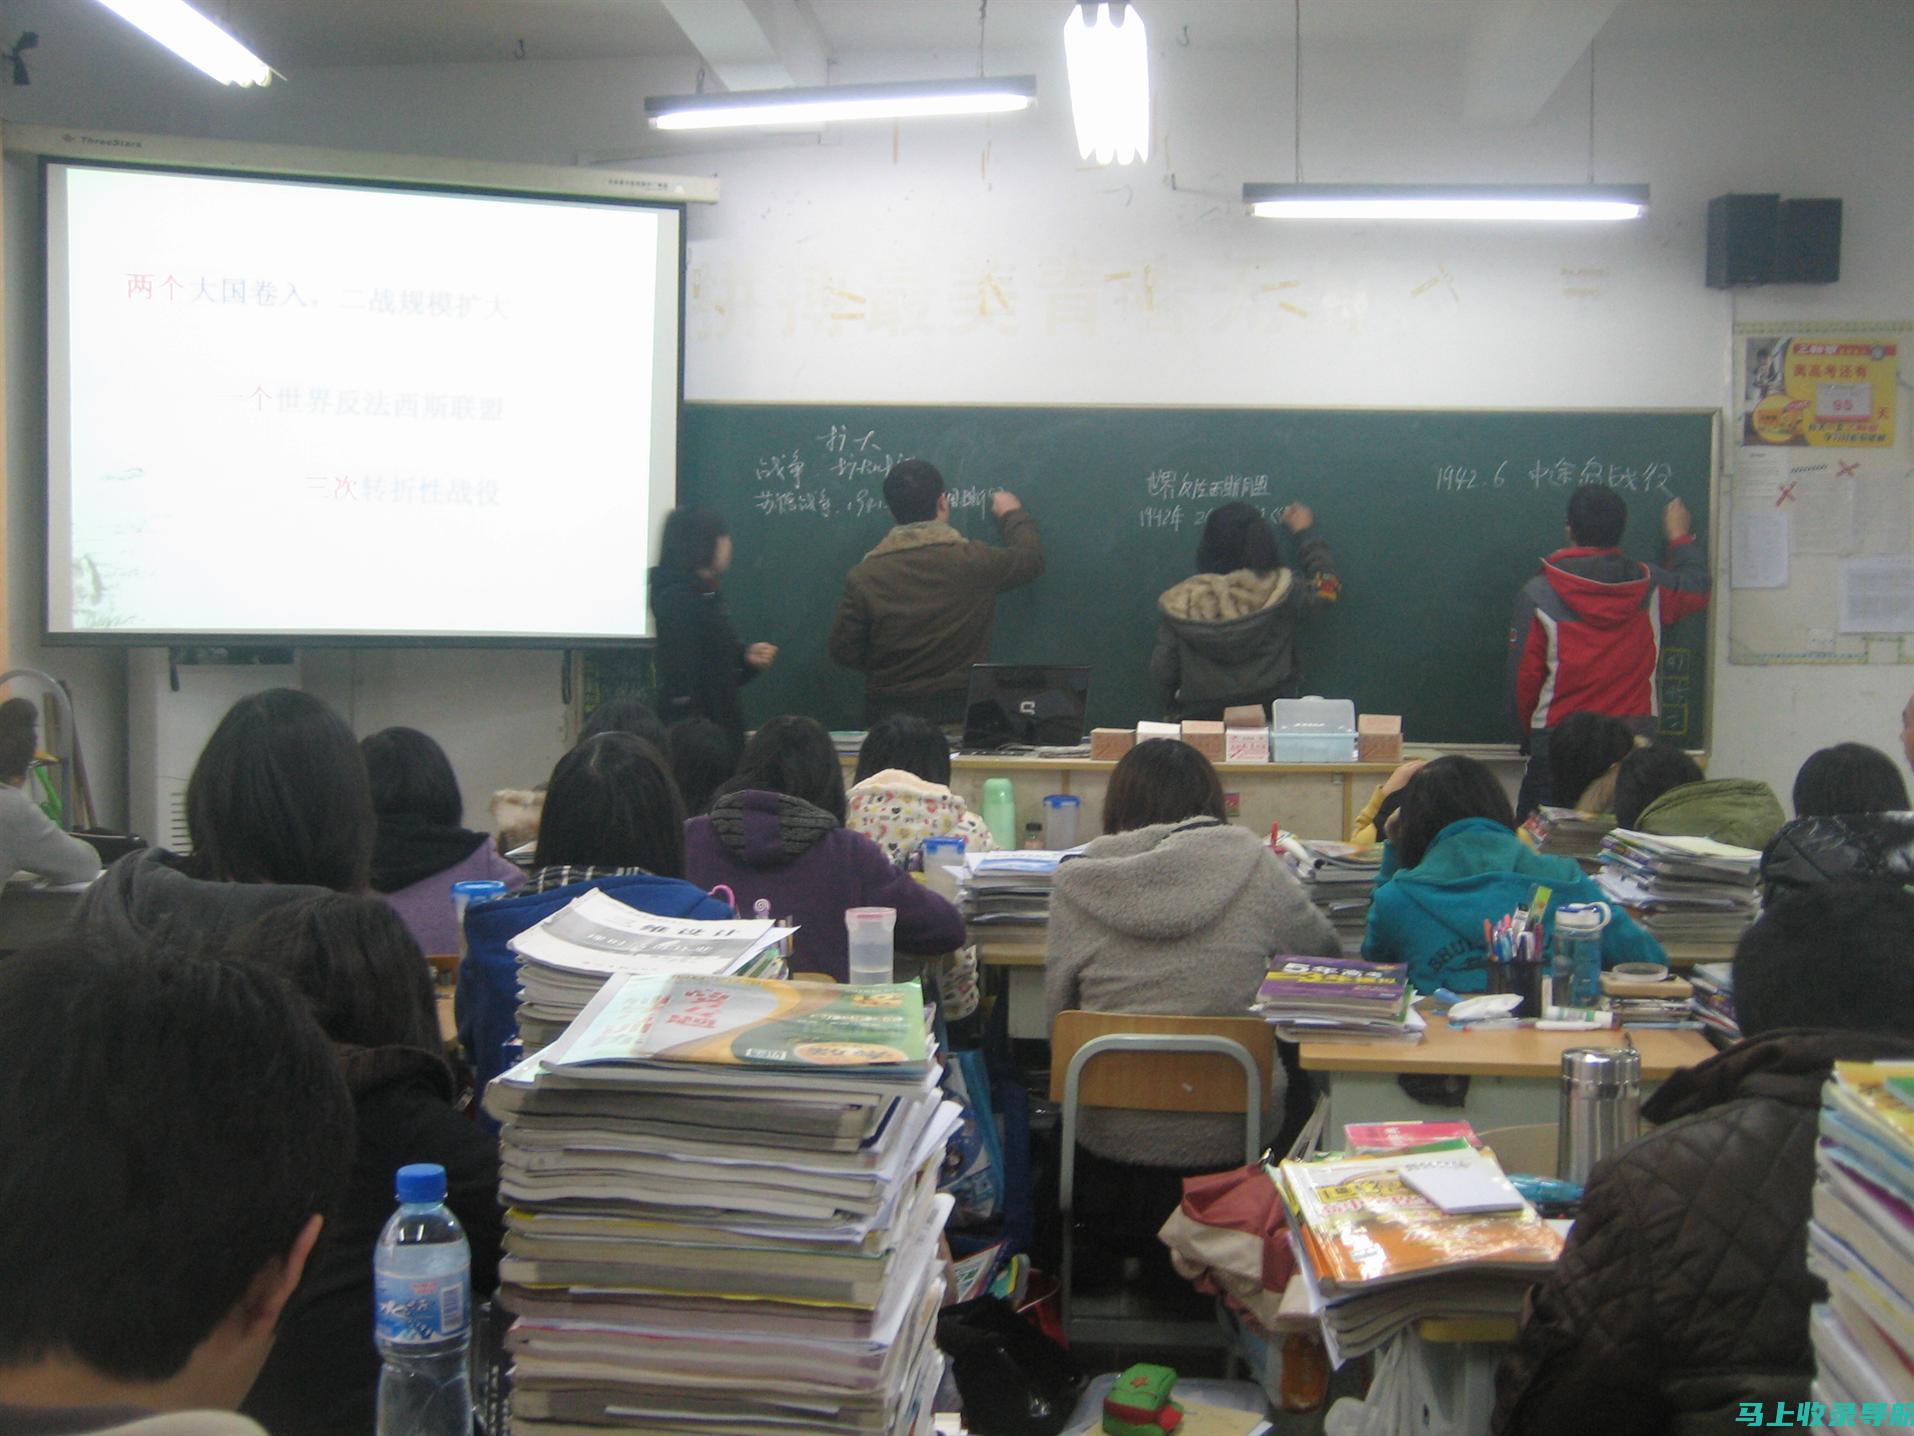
[(1206, 736), (1109, 744), (1245, 735), (1379, 738)]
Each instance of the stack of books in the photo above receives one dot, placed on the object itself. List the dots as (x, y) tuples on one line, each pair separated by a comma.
[(566, 959), (1376, 1253), (1697, 896), (722, 1211), (1339, 878), (1008, 889), (1309, 999), (1713, 1004), (1861, 1241), (1566, 833)]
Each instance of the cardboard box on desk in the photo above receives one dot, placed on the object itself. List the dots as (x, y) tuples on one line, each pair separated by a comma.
[(1245, 735), (1206, 736), (1147, 731), (1379, 738), (1109, 744)]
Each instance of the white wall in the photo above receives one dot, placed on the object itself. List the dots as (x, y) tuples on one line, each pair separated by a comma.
[(989, 266)]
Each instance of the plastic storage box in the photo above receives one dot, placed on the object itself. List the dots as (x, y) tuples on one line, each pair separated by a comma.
[(1313, 730)]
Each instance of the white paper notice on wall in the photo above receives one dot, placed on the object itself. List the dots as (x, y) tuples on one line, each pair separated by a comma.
[(1877, 595), (1883, 512), (1759, 556), (1820, 504)]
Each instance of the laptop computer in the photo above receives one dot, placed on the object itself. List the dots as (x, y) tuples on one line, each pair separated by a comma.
[(1025, 705)]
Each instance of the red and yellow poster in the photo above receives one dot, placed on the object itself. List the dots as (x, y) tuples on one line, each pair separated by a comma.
[(1819, 392)]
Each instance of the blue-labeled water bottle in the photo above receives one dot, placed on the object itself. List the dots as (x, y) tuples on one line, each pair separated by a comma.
[(422, 1312), (1578, 951)]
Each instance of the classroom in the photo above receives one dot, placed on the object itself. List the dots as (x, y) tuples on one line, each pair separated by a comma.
[(969, 289)]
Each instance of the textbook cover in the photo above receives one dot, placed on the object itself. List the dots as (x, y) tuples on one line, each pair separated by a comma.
[(747, 1022), (1361, 1225), (1328, 984)]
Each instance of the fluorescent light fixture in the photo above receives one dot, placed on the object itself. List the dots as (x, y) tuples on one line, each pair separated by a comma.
[(1107, 53), (195, 39), (827, 104), (1440, 202)]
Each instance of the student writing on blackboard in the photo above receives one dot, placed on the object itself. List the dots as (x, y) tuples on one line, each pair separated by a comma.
[(917, 612), (1586, 637), (1227, 635), (701, 661)]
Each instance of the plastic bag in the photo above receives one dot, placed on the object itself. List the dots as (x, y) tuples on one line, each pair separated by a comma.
[(1014, 1380)]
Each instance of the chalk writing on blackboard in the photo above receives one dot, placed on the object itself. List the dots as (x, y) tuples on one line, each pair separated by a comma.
[(1642, 477)]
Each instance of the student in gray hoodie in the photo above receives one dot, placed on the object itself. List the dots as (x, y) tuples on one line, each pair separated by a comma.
[(30, 841), (1173, 912)]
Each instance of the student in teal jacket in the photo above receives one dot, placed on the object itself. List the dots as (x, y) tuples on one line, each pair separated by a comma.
[(1454, 862)]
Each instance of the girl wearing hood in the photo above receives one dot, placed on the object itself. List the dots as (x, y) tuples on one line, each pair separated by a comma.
[(1172, 912), (701, 661), (903, 791), (1227, 636)]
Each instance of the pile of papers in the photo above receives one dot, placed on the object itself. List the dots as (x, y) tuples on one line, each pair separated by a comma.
[(1566, 833), (1008, 889), (1697, 896), (1339, 878), (566, 959), (722, 1211), (1713, 1004), (1861, 1241), (1383, 1241), (1309, 999)]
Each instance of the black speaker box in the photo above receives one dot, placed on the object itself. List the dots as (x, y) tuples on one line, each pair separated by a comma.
[(1743, 230), (1808, 242)]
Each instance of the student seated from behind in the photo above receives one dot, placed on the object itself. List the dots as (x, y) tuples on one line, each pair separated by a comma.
[(1848, 778), (1684, 1292), (174, 1132), (613, 820), (30, 841), (278, 809), (703, 758), (1172, 912), (421, 849), (1659, 789), (1374, 816), (776, 832), (1454, 862), (515, 811), (902, 794), (1585, 753), (366, 981), (1852, 821)]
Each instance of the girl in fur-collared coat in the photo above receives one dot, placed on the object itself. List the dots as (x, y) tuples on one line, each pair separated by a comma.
[(1227, 635)]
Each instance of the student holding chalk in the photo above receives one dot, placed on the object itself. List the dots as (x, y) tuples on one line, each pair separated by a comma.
[(917, 612), (1227, 636), (1586, 637), (701, 662)]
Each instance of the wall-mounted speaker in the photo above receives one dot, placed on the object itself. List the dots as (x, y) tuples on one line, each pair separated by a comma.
[(1808, 242), (1743, 230)]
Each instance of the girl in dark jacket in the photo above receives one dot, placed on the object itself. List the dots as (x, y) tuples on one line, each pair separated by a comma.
[(366, 981), (701, 661)]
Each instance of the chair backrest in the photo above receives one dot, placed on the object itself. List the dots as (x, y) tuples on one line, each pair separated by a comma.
[(1149, 1081)]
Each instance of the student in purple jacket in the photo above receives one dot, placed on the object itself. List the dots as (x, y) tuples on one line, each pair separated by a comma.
[(422, 849), (776, 832)]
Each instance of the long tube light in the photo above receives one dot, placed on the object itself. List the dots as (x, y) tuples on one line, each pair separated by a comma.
[(827, 104), (1447, 202), (1106, 52), (195, 39)]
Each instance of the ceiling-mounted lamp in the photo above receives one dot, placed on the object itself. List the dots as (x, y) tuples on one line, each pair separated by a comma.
[(1107, 53), (195, 39), (830, 104), (1543, 202)]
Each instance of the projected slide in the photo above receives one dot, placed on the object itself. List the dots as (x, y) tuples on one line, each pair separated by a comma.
[(288, 408)]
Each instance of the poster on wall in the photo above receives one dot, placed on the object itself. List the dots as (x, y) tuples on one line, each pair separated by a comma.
[(1818, 391)]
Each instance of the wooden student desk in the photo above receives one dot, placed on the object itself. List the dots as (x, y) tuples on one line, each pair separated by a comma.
[(1515, 1075)]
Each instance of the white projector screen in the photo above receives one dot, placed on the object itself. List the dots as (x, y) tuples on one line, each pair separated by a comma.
[(291, 410)]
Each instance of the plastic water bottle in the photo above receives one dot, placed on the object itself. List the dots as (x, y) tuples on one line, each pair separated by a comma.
[(1576, 967), (422, 1312), (1000, 812), (869, 932)]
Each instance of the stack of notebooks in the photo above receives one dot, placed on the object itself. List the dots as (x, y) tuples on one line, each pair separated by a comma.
[(1309, 999), (1008, 889), (1713, 1004), (1383, 1241), (1339, 878), (722, 1212), (566, 959), (1861, 1241), (1696, 895), (1566, 833), (1642, 1002)]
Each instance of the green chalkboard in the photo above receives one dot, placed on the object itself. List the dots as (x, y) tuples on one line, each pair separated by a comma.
[(1435, 519)]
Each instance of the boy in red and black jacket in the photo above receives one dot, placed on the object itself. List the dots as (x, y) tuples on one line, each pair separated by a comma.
[(1586, 637)]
